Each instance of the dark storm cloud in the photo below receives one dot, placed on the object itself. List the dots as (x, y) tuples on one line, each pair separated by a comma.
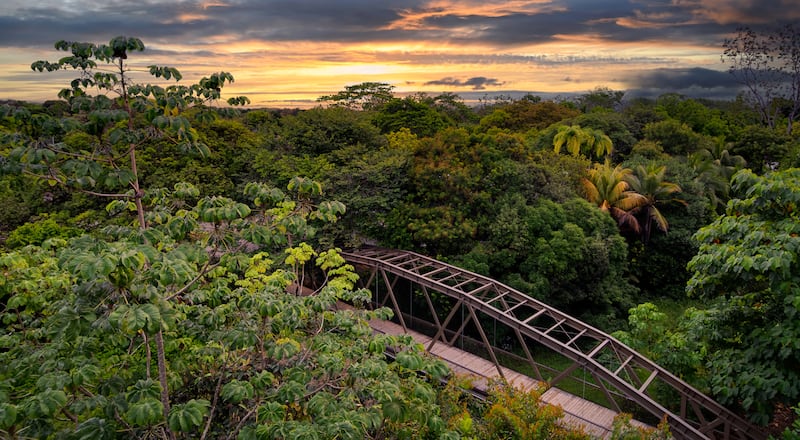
[(684, 78), (476, 83), (280, 20), (689, 21), (366, 20), (691, 82)]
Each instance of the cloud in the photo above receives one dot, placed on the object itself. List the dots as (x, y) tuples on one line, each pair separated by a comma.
[(501, 24), (696, 82), (536, 44), (476, 83), (683, 78)]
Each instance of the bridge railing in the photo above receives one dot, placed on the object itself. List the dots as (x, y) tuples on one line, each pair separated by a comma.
[(616, 369)]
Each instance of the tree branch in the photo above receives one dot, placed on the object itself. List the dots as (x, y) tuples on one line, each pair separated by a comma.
[(213, 407)]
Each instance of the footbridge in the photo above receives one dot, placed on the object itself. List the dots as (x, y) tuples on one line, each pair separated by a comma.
[(457, 307)]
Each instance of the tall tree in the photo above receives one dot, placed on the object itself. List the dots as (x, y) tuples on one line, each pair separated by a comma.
[(747, 270), (411, 112), (362, 96), (762, 147), (714, 168), (608, 188), (600, 99), (582, 140), (236, 354), (110, 165), (648, 181), (767, 64)]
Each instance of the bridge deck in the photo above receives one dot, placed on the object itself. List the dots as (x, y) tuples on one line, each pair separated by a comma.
[(593, 418)]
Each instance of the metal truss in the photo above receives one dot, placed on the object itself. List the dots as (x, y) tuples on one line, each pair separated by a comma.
[(622, 374)]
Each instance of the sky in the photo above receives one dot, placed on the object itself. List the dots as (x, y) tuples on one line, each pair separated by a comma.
[(288, 53)]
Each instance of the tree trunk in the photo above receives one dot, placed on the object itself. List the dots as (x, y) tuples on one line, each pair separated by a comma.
[(162, 379)]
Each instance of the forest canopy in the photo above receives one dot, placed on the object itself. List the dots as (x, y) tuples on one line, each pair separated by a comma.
[(154, 239)]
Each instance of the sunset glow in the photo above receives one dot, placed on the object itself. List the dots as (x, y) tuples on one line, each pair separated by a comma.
[(290, 53)]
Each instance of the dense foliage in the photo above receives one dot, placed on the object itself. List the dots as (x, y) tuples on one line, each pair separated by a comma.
[(747, 268), (173, 310)]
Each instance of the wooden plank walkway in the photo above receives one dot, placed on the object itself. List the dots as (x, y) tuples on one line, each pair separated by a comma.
[(595, 419)]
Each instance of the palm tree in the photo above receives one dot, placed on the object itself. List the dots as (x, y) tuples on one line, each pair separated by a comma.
[(602, 144), (648, 181), (714, 167), (573, 136), (607, 187), (579, 140)]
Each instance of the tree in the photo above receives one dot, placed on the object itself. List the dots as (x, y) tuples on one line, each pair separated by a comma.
[(767, 64), (364, 96), (600, 99), (615, 125), (411, 113), (672, 343), (675, 137), (525, 114), (112, 164), (648, 181), (245, 355), (568, 254), (714, 168), (609, 189), (659, 265), (763, 148), (161, 107), (747, 269), (699, 117), (322, 130), (452, 107), (582, 140), (209, 281)]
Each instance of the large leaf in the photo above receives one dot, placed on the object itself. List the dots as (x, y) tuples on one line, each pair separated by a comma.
[(144, 389), (46, 403), (236, 391), (95, 429), (188, 416), (394, 410), (410, 360), (145, 412), (8, 415), (271, 412)]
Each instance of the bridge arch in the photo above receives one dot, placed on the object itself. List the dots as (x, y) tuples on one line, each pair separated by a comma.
[(617, 370)]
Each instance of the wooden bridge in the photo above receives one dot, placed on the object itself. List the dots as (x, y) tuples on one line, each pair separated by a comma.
[(453, 307)]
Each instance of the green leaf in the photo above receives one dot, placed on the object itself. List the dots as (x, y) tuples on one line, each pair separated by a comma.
[(188, 416), (271, 412), (46, 403), (263, 380), (8, 415), (376, 346), (236, 391), (425, 393), (131, 319), (285, 348), (410, 360), (394, 410), (291, 391), (84, 375), (95, 428), (144, 389), (145, 412)]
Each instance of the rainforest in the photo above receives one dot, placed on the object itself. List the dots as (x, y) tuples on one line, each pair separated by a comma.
[(154, 236)]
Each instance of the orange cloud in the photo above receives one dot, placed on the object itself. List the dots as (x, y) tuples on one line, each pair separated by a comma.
[(742, 11), (418, 19)]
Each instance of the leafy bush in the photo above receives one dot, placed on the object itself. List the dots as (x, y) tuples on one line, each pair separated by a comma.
[(37, 232)]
